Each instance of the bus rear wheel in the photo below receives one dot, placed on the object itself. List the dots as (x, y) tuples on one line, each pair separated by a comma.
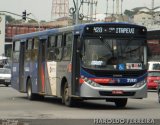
[(121, 103), (30, 95), (66, 99)]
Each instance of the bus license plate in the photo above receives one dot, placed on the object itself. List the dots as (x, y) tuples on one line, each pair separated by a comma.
[(119, 92)]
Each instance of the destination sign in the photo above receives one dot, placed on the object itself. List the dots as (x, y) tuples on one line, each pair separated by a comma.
[(125, 30), (114, 30)]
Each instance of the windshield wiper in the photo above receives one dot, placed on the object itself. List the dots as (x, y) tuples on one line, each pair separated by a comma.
[(107, 45)]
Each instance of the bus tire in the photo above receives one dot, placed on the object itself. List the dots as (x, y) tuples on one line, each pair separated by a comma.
[(6, 84), (30, 95), (66, 99), (159, 96), (121, 102)]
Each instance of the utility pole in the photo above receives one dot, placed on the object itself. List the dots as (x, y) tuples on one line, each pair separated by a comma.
[(117, 7), (91, 11), (152, 5), (77, 12)]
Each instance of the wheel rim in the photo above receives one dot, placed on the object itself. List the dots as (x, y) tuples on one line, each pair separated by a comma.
[(66, 94), (29, 91)]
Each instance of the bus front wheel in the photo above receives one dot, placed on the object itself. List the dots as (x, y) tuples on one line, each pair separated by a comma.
[(66, 99), (159, 96), (121, 103)]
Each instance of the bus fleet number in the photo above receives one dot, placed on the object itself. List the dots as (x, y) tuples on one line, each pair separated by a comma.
[(131, 80), (98, 29)]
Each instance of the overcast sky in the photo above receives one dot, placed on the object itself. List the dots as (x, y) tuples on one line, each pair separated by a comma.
[(41, 9)]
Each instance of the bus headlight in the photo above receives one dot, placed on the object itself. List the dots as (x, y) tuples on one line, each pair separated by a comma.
[(139, 84), (90, 82), (94, 84)]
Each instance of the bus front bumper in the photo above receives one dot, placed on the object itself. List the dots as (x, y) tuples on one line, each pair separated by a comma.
[(87, 91)]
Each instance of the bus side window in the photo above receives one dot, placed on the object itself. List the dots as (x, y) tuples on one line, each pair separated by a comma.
[(29, 47), (58, 48), (34, 53), (52, 43), (16, 49), (67, 46)]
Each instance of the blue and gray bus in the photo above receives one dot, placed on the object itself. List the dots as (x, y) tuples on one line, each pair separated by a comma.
[(87, 61)]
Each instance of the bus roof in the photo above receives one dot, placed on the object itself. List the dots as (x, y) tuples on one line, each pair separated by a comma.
[(74, 27)]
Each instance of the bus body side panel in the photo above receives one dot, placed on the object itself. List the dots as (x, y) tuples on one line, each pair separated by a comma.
[(22, 83), (30, 71), (34, 70), (56, 71), (33, 76), (51, 78), (41, 66), (63, 72), (27, 70), (47, 80), (15, 75)]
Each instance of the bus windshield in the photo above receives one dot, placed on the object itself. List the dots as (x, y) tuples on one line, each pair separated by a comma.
[(107, 54)]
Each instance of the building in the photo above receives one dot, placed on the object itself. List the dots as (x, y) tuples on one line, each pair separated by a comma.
[(156, 15), (2, 34), (16, 29), (143, 18), (147, 17), (153, 40)]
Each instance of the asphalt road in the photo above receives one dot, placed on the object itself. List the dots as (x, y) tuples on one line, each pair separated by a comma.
[(15, 105)]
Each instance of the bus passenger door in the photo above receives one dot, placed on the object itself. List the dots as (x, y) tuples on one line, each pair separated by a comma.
[(41, 65), (21, 67), (75, 66)]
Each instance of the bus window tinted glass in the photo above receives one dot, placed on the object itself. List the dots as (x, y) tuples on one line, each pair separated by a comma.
[(110, 53), (68, 47), (35, 43), (55, 52), (16, 51), (59, 41), (52, 41), (29, 44)]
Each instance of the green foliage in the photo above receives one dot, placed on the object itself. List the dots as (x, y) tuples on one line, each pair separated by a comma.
[(129, 13), (32, 21), (9, 19)]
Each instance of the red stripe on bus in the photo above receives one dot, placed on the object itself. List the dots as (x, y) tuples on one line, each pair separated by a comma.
[(102, 80), (81, 81), (98, 80)]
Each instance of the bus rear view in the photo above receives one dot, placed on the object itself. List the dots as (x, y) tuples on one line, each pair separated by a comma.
[(114, 62)]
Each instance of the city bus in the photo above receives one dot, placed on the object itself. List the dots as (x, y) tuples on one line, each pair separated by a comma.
[(82, 62)]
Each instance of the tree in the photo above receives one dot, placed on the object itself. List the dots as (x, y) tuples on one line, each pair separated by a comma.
[(32, 21), (129, 13), (9, 19)]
